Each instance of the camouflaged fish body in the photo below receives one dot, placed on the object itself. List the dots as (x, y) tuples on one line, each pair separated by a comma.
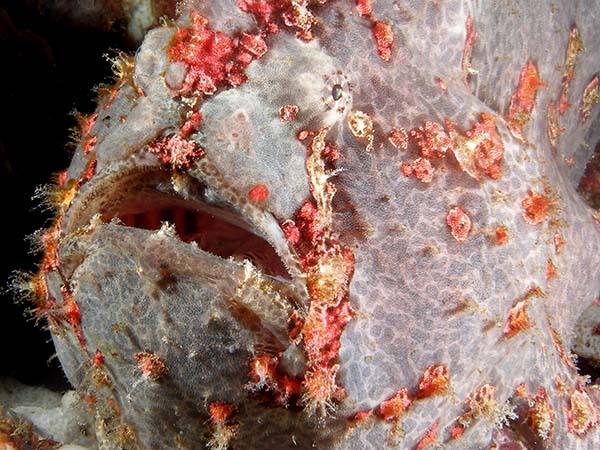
[(335, 225)]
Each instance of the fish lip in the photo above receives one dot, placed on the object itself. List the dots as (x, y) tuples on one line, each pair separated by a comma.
[(160, 257), (107, 190)]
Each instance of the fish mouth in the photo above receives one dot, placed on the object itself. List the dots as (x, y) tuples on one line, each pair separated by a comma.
[(147, 198), (172, 226)]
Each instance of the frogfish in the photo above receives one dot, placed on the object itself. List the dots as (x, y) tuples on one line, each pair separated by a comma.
[(336, 224)]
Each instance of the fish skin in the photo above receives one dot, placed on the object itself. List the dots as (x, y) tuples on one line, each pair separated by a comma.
[(421, 297)]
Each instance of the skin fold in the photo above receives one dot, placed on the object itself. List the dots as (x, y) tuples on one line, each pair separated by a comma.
[(335, 224)]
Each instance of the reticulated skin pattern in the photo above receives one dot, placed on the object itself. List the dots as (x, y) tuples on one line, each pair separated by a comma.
[(336, 224)]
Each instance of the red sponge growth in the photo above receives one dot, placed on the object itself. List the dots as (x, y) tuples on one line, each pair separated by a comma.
[(213, 59)]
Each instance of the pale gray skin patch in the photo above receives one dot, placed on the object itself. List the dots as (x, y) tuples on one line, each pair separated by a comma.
[(244, 136)]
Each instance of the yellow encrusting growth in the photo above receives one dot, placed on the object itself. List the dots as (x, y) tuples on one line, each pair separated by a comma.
[(542, 415), (582, 415), (361, 126), (322, 190), (328, 267), (222, 430), (482, 404)]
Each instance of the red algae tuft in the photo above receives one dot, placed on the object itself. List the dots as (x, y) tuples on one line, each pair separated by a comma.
[(517, 319), (220, 411), (582, 415), (542, 416), (213, 59), (435, 381), (398, 138), (206, 54), (329, 267), (479, 149), (589, 98), (288, 112), (559, 243), (395, 407), (176, 151), (406, 169), (98, 359), (423, 170), (364, 8), (500, 236), (431, 140), (258, 193), (553, 128), (192, 123), (88, 144), (551, 270), (71, 313), (151, 365), (266, 378), (574, 49), (467, 54), (459, 223), (535, 207), (384, 38), (523, 100), (430, 436)]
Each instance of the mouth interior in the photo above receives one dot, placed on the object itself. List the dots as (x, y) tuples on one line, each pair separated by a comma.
[(212, 231)]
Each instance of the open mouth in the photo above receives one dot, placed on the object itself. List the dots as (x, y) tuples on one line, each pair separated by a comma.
[(215, 229)]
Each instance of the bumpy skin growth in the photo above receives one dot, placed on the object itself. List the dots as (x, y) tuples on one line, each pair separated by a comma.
[(433, 276)]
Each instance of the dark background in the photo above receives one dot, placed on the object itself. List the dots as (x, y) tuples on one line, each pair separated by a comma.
[(49, 66)]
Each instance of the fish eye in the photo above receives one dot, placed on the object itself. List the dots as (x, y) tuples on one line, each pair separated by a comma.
[(337, 91)]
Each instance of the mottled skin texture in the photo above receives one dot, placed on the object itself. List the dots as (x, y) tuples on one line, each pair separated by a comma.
[(421, 298)]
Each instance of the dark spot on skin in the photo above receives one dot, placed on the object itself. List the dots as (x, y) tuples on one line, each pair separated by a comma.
[(167, 281), (337, 91)]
